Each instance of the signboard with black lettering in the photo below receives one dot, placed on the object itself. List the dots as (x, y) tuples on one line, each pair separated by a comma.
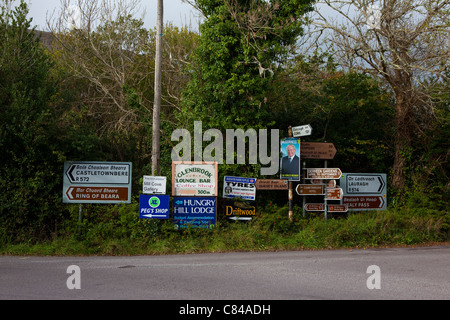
[(364, 183), (97, 182), (194, 212), (364, 191), (239, 187), (154, 185), (194, 178)]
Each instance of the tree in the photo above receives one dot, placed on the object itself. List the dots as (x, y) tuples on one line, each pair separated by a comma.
[(405, 44), (241, 43), (109, 60), (106, 47), (29, 164), (349, 109)]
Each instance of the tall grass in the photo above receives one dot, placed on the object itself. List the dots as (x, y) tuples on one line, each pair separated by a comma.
[(119, 231)]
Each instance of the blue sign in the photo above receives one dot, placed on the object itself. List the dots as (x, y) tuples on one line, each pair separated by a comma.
[(194, 212), (153, 206), (239, 187)]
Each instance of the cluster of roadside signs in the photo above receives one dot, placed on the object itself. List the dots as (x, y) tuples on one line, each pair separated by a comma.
[(356, 191), (195, 186)]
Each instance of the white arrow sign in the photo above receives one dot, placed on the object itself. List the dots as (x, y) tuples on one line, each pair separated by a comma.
[(154, 216), (99, 173), (365, 183), (302, 131)]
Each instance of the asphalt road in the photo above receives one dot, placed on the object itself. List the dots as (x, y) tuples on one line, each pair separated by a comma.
[(403, 273)]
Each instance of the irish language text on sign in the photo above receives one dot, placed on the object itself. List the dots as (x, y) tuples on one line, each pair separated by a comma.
[(104, 173), (97, 182)]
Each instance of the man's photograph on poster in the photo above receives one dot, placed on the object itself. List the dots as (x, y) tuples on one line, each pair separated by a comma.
[(290, 159)]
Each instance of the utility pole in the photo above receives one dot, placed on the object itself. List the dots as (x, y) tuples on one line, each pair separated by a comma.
[(156, 134)]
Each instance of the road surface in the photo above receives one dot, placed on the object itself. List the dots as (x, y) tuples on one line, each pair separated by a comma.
[(372, 274)]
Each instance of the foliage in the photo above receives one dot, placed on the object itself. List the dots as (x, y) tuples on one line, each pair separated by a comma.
[(53, 112), (348, 109), (240, 44), (118, 231), (29, 166), (403, 43)]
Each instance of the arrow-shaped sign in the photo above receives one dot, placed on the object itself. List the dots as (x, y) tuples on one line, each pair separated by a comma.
[(323, 173), (365, 184), (99, 173), (154, 216), (302, 131), (337, 208), (310, 189), (360, 203), (91, 194), (271, 184), (317, 150), (334, 194), (70, 173), (69, 193), (314, 207)]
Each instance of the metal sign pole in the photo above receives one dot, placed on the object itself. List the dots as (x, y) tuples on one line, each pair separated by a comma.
[(304, 197), (326, 191), (80, 217), (290, 193)]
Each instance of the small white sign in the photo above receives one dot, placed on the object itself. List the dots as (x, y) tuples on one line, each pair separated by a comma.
[(302, 131), (154, 185)]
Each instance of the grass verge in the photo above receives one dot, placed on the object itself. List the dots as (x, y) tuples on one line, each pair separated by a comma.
[(120, 232)]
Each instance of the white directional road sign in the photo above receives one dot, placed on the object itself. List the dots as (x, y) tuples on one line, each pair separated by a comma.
[(365, 183), (99, 172), (364, 191), (301, 131), (97, 182)]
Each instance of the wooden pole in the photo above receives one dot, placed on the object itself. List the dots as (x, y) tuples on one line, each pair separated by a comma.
[(291, 191), (156, 134)]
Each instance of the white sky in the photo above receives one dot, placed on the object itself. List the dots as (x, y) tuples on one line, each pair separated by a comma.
[(175, 11)]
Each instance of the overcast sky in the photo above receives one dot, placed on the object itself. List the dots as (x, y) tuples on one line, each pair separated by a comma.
[(175, 11)]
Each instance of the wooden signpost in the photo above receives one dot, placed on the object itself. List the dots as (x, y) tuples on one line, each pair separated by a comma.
[(310, 189), (271, 184), (363, 202), (314, 207), (323, 173), (317, 150), (334, 194), (337, 208)]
